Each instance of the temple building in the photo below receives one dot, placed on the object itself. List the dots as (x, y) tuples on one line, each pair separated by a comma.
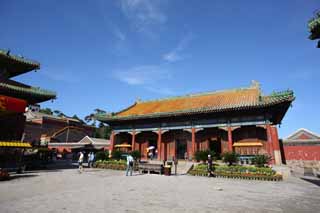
[(241, 120), (16, 96)]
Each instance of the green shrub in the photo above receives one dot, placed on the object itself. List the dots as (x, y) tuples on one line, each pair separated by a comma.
[(136, 155), (116, 154), (237, 170), (261, 160), (102, 155), (230, 157), (202, 155)]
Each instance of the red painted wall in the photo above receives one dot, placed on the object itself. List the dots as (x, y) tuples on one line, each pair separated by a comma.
[(302, 152)]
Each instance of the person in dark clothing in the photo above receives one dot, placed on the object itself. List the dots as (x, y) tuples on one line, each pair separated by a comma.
[(209, 166)]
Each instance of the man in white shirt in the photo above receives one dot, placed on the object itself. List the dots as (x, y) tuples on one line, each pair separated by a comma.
[(80, 161), (129, 164)]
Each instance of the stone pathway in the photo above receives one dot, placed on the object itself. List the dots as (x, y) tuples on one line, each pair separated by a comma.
[(111, 191)]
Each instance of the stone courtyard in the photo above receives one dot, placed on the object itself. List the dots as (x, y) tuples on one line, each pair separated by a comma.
[(96, 190)]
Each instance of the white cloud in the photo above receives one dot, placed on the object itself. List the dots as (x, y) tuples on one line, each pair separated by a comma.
[(161, 90), (143, 14), (172, 57), (150, 77), (176, 53), (119, 35), (142, 75)]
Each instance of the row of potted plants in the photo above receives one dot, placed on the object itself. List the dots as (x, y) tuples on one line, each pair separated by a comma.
[(238, 172), (111, 164)]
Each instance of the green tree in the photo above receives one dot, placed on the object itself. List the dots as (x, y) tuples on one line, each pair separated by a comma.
[(107, 132), (136, 154), (59, 113), (261, 160), (202, 155), (102, 155), (76, 117), (47, 111), (230, 157), (116, 154), (314, 28)]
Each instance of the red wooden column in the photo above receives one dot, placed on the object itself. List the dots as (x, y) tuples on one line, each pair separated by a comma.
[(133, 144), (159, 144), (112, 137), (193, 141), (270, 151), (276, 145), (230, 148)]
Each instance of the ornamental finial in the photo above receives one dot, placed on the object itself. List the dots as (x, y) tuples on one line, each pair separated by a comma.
[(255, 84), (138, 100)]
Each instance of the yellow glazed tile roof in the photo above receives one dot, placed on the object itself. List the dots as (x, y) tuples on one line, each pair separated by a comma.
[(226, 100), (217, 99)]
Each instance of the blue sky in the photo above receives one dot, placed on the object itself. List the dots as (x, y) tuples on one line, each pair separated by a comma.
[(106, 54)]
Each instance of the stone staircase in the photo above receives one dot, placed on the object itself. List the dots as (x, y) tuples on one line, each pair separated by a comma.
[(183, 167)]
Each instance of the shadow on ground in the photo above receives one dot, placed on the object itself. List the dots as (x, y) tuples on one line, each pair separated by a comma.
[(18, 176), (314, 181)]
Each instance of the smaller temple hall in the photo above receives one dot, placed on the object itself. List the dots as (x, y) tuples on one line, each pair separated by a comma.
[(242, 120)]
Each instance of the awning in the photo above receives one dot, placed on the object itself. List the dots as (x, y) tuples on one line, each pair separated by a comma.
[(15, 144), (239, 144), (122, 146)]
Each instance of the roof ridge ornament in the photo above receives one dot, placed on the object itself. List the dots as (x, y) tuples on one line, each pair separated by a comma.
[(255, 84), (138, 100)]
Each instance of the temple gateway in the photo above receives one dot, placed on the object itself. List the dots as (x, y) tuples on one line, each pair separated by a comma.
[(241, 120)]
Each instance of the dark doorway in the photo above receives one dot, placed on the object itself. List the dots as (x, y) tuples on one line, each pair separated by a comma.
[(215, 145), (181, 148)]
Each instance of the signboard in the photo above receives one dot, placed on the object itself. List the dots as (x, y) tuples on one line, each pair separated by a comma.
[(12, 104)]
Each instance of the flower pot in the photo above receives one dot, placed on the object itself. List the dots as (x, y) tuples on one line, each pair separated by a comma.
[(167, 170)]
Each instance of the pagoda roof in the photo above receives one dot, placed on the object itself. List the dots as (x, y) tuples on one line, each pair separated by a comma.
[(210, 102), (31, 94), (16, 65)]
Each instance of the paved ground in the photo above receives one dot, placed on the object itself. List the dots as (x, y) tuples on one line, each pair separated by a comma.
[(110, 191)]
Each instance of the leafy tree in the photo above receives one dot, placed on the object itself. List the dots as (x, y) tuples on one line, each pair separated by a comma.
[(230, 157), (90, 118), (116, 154), (202, 155), (76, 117), (47, 111), (59, 113), (99, 111), (107, 132), (314, 28), (136, 154), (261, 160), (102, 155)]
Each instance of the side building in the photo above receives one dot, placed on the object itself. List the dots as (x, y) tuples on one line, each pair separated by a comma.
[(301, 152), (241, 120), (43, 128)]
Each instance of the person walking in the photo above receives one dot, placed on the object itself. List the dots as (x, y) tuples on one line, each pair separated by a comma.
[(129, 164), (89, 159), (92, 157), (186, 156), (80, 161), (209, 166)]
